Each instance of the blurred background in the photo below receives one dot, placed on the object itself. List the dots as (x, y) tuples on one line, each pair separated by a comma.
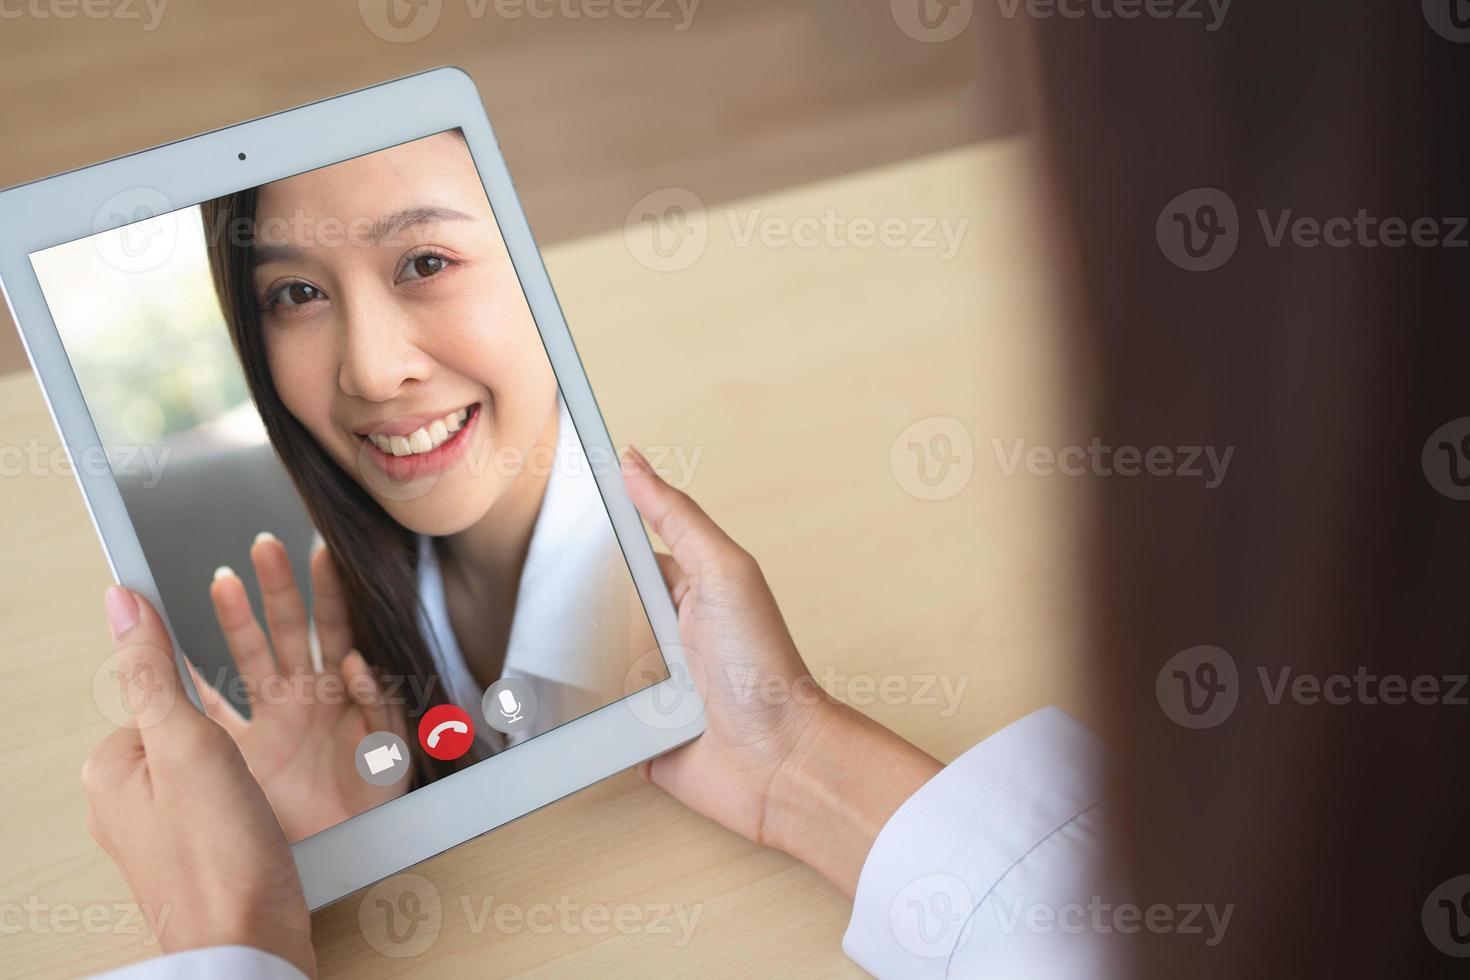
[(728, 98), (869, 416), (148, 343), (151, 353), (849, 409)]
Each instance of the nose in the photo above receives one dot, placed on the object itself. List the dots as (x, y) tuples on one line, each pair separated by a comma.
[(380, 355)]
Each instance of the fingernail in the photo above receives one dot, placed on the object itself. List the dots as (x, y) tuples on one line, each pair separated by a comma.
[(122, 610), (317, 542), (224, 571), (262, 537), (633, 456)]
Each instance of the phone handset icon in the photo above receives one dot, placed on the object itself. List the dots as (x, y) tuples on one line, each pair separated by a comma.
[(446, 732), (445, 726)]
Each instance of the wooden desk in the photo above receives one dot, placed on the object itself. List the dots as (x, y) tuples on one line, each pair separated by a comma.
[(791, 370)]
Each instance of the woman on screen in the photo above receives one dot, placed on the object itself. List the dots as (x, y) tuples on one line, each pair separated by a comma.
[(401, 378)]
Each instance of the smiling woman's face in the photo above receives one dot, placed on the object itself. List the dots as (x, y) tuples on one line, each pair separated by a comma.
[(397, 333)]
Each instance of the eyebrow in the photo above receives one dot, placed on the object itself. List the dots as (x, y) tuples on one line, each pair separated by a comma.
[(379, 232)]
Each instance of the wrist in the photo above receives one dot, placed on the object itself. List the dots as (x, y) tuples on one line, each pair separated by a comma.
[(844, 777), (261, 927), (300, 954)]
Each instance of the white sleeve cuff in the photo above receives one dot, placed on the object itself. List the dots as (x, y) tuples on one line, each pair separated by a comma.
[(216, 962), (949, 845)]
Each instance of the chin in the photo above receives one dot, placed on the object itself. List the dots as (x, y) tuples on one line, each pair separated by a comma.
[(435, 517)]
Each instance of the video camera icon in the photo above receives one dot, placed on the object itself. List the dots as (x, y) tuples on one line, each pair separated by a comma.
[(382, 758)]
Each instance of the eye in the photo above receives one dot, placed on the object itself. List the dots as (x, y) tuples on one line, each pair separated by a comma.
[(299, 293), (290, 295), (423, 266)]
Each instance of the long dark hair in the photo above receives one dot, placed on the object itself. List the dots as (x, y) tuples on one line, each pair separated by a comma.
[(1328, 550), (377, 557)]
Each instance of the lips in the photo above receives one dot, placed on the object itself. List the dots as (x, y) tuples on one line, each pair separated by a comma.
[(426, 448), (422, 439)]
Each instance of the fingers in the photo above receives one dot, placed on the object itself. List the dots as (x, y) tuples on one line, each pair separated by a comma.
[(696, 541), (364, 689), (92, 827), (674, 577), (242, 633), (166, 720), (285, 610), (110, 764), (110, 773), (329, 609), (216, 706)]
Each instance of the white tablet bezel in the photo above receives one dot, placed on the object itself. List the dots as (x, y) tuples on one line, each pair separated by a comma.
[(71, 206)]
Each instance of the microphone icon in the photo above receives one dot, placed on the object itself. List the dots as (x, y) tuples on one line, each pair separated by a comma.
[(509, 705), (510, 709)]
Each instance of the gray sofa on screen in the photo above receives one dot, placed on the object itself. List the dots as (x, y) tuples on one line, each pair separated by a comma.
[(204, 512)]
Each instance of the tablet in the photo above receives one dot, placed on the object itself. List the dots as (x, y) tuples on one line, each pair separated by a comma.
[(327, 417)]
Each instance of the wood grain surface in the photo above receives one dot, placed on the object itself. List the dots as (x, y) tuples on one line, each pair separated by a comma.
[(793, 377)]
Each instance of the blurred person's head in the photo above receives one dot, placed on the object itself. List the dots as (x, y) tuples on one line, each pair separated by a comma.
[(1327, 551)]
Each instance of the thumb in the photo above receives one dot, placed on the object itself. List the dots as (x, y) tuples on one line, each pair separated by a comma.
[(146, 670), (695, 540)]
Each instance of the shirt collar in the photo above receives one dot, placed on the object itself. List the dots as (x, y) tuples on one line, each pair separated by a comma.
[(554, 629)]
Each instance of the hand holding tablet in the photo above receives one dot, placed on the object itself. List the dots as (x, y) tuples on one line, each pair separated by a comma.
[(161, 796), (372, 353), (334, 321), (779, 763)]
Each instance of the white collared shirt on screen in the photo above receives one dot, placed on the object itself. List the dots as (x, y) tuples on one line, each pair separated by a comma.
[(1015, 824), (573, 634)]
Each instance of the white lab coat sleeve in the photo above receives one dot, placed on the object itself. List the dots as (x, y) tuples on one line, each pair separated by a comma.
[(216, 962), (995, 867)]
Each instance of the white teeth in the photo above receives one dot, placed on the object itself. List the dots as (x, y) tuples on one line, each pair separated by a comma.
[(425, 438)]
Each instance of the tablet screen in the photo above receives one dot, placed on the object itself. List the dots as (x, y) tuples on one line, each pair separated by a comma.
[(338, 435)]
